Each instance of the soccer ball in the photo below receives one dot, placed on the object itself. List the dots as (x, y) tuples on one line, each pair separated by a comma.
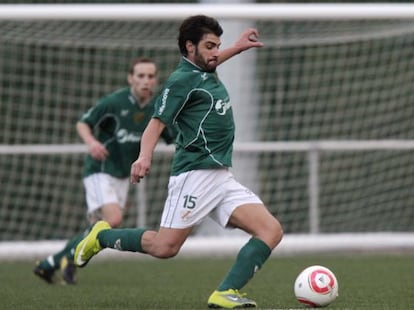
[(316, 286)]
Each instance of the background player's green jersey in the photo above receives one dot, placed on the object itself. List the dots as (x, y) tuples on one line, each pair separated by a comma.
[(198, 104), (118, 122)]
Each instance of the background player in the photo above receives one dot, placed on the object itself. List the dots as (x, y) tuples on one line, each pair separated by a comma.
[(112, 130)]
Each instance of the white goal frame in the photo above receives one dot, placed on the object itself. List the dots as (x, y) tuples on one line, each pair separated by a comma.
[(257, 11), (314, 242)]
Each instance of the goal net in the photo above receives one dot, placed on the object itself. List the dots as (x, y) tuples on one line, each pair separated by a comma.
[(328, 104)]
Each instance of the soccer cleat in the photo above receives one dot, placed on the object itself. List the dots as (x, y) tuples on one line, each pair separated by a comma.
[(44, 274), (230, 299), (68, 270), (89, 246)]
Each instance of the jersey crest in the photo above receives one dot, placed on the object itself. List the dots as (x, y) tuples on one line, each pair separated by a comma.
[(139, 117)]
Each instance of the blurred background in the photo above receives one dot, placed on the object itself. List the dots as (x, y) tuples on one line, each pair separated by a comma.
[(315, 80)]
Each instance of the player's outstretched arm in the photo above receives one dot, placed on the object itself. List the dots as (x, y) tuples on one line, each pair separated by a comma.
[(248, 39), (141, 167)]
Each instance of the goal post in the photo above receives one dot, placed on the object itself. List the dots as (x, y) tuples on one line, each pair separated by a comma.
[(332, 139), (235, 11)]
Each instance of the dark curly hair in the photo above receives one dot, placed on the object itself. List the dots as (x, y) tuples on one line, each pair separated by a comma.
[(193, 29)]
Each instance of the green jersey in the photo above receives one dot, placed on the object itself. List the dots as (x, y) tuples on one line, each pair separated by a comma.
[(118, 122), (198, 105)]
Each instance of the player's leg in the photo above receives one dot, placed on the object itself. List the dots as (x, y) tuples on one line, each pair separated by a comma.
[(67, 266), (266, 233), (46, 268), (111, 212), (164, 243), (106, 197), (243, 209)]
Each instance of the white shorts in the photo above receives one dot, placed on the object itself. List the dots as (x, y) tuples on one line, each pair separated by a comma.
[(196, 194), (102, 189)]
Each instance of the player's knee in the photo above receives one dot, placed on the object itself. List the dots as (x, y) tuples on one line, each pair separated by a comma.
[(115, 220), (167, 251), (277, 233), (111, 213), (272, 233)]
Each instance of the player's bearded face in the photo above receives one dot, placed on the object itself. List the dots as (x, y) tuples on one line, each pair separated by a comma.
[(207, 64), (206, 53)]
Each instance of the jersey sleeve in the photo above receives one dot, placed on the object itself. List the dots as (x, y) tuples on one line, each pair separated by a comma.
[(168, 134), (94, 114), (100, 117)]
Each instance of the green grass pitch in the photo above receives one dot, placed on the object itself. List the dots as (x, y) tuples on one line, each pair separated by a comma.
[(365, 282)]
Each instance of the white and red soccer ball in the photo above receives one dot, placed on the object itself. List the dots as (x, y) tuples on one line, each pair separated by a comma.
[(316, 286)]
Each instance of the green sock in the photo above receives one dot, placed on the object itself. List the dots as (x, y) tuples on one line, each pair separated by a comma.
[(48, 263), (126, 239), (250, 259), (53, 261), (69, 249)]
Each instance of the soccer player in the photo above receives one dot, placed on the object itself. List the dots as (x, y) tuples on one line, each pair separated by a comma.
[(201, 183), (112, 130)]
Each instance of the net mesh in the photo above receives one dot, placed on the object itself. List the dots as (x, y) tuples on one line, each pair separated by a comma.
[(338, 80), (331, 80)]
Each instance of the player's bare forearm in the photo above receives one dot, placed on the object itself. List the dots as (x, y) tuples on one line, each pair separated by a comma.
[(141, 167), (248, 39)]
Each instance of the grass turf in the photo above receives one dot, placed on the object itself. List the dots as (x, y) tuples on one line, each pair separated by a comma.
[(365, 282)]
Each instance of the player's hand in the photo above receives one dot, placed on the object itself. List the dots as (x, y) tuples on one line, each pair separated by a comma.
[(248, 39), (139, 169), (98, 151)]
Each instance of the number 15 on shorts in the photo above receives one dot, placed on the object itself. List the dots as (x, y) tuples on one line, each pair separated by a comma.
[(189, 202)]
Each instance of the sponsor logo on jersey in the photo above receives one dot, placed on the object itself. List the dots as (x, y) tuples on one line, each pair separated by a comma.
[(163, 100), (123, 136), (222, 106)]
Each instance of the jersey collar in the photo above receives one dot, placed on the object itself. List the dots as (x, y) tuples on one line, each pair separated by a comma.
[(191, 63), (134, 100)]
